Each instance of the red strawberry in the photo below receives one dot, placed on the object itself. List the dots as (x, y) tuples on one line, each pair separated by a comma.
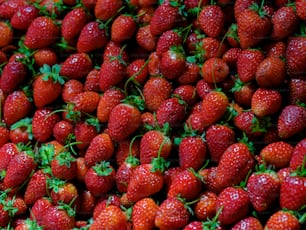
[(124, 120), (123, 28), (8, 8), (250, 223), (291, 121), (62, 131), (168, 39), (143, 214), (282, 218), (167, 214), (100, 178), (218, 138), (234, 165), (277, 154), (253, 26), (27, 224), (43, 123), (41, 26), (73, 22), (205, 207), (4, 135), (298, 155), (86, 102), (190, 75), (215, 70), (45, 56), (300, 9), (126, 148), (92, 81), (164, 18), (271, 72), (85, 203), (137, 71), (81, 169), (7, 153), (214, 106), (47, 87), (23, 17), (6, 37), (276, 49), (84, 132), (21, 131), (92, 36), (230, 57), (192, 152), (284, 22), (211, 20), (247, 63), (211, 47), (234, 204), (243, 92), (154, 64), (112, 217), (70, 89), (145, 39), (62, 192), (105, 9), (104, 202), (16, 106), (19, 169), (63, 166), (58, 217), (39, 209), (263, 188), (241, 5), (100, 148), (297, 91), (295, 55), (187, 93)]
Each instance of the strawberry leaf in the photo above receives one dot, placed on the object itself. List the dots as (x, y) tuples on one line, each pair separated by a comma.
[(103, 168), (65, 158)]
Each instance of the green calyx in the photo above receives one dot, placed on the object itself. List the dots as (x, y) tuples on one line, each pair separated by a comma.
[(65, 158), (55, 184), (52, 73), (103, 168), (25, 124), (46, 154)]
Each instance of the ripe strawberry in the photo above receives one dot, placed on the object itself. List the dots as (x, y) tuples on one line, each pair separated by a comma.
[(218, 138), (100, 148), (243, 92), (28, 224), (62, 192), (41, 25), (73, 22), (47, 87), (282, 218), (241, 5), (247, 63), (62, 131), (92, 81), (235, 163), (7, 153), (86, 102), (85, 203), (164, 18), (123, 28), (84, 132), (39, 209), (21, 131), (23, 17), (45, 56), (214, 106), (271, 72), (253, 26), (19, 169), (6, 37), (111, 217), (154, 64), (42, 124), (295, 55), (63, 166), (171, 214), (276, 49), (143, 214), (230, 56), (70, 89), (211, 47), (103, 202), (100, 178), (126, 148), (187, 93), (277, 154), (8, 8), (297, 91), (4, 135), (145, 39), (92, 36), (137, 71), (81, 169), (211, 20), (298, 155), (124, 120), (168, 39), (190, 75), (263, 188), (106, 9), (300, 9), (215, 70), (234, 203), (291, 121), (205, 207), (192, 152), (250, 223), (284, 22)]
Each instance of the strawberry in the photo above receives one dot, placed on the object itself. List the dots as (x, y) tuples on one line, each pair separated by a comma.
[(247, 63), (137, 71), (92, 81), (205, 207), (277, 154), (124, 120), (266, 102), (154, 64), (190, 75), (168, 39), (145, 39), (284, 22), (187, 93), (86, 102), (62, 192), (243, 92), (112, 217), (41, 26), (6, 34), (253, 26), (123, 28), (211, 48), (291, 121), (84, 132), (250, 222), (8, 8), (143, 214), (214, 106), (235, 163), (100, 148), (85, 203), (28, 224), (295, 54), (282, 218), (103, 202), (271, 72), (297, 90), (300, 9), (21, 131), (47, 87), (17, 105), (165, 17), (298, 155), (81, 169), (62, 131), (76, 66), (276, 49), (234, 204), (203, 87), (19, 169), (7, 153), (215, 70), (42, 124), (211, 20), (63, 166), (106, 9), (73, 22), (241, 5), (100, 178), (4, 135), (171, 214), (45, 56), (126, 148), (230, 56), (218, 138), (39, 209), (263, 188), (192, 152), (70, 89), (23, 17)]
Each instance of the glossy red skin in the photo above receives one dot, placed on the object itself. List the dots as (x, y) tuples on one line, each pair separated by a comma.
[(211, 19), (76, 66)]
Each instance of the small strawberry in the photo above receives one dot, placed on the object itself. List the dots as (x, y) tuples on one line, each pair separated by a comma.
[(62, 192), (21, 131), (6, 37), (291, 121), (100, 178), (62, 131), (298, 155), (23, 17), (276, 49), (205, 207), (250, 223), (145, 39), (41, 33), (63, 166), (70, 89), (92, 81), (7, 153), (84, 132), (211, 48), (215, 70), (282, 218), (85, 203), (295, 54), (126, 148), (81, 169), (243, 92), (137, 71), (100, 148), (191, 74), (168, 39), (103, 202), (123, 28), (106, 9), (86, 102), (241, 5), (45, 56)]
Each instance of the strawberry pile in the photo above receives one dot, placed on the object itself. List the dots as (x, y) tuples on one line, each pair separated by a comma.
[(147, 114)]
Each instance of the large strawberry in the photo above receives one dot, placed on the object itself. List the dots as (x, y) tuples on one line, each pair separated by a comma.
[(23, 17), (145, 39), (63, 166), (123, 28), (86, 102), (282, 218), (300, 9), (205, 207), (105, 9), (84, 132), (250, 222)]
